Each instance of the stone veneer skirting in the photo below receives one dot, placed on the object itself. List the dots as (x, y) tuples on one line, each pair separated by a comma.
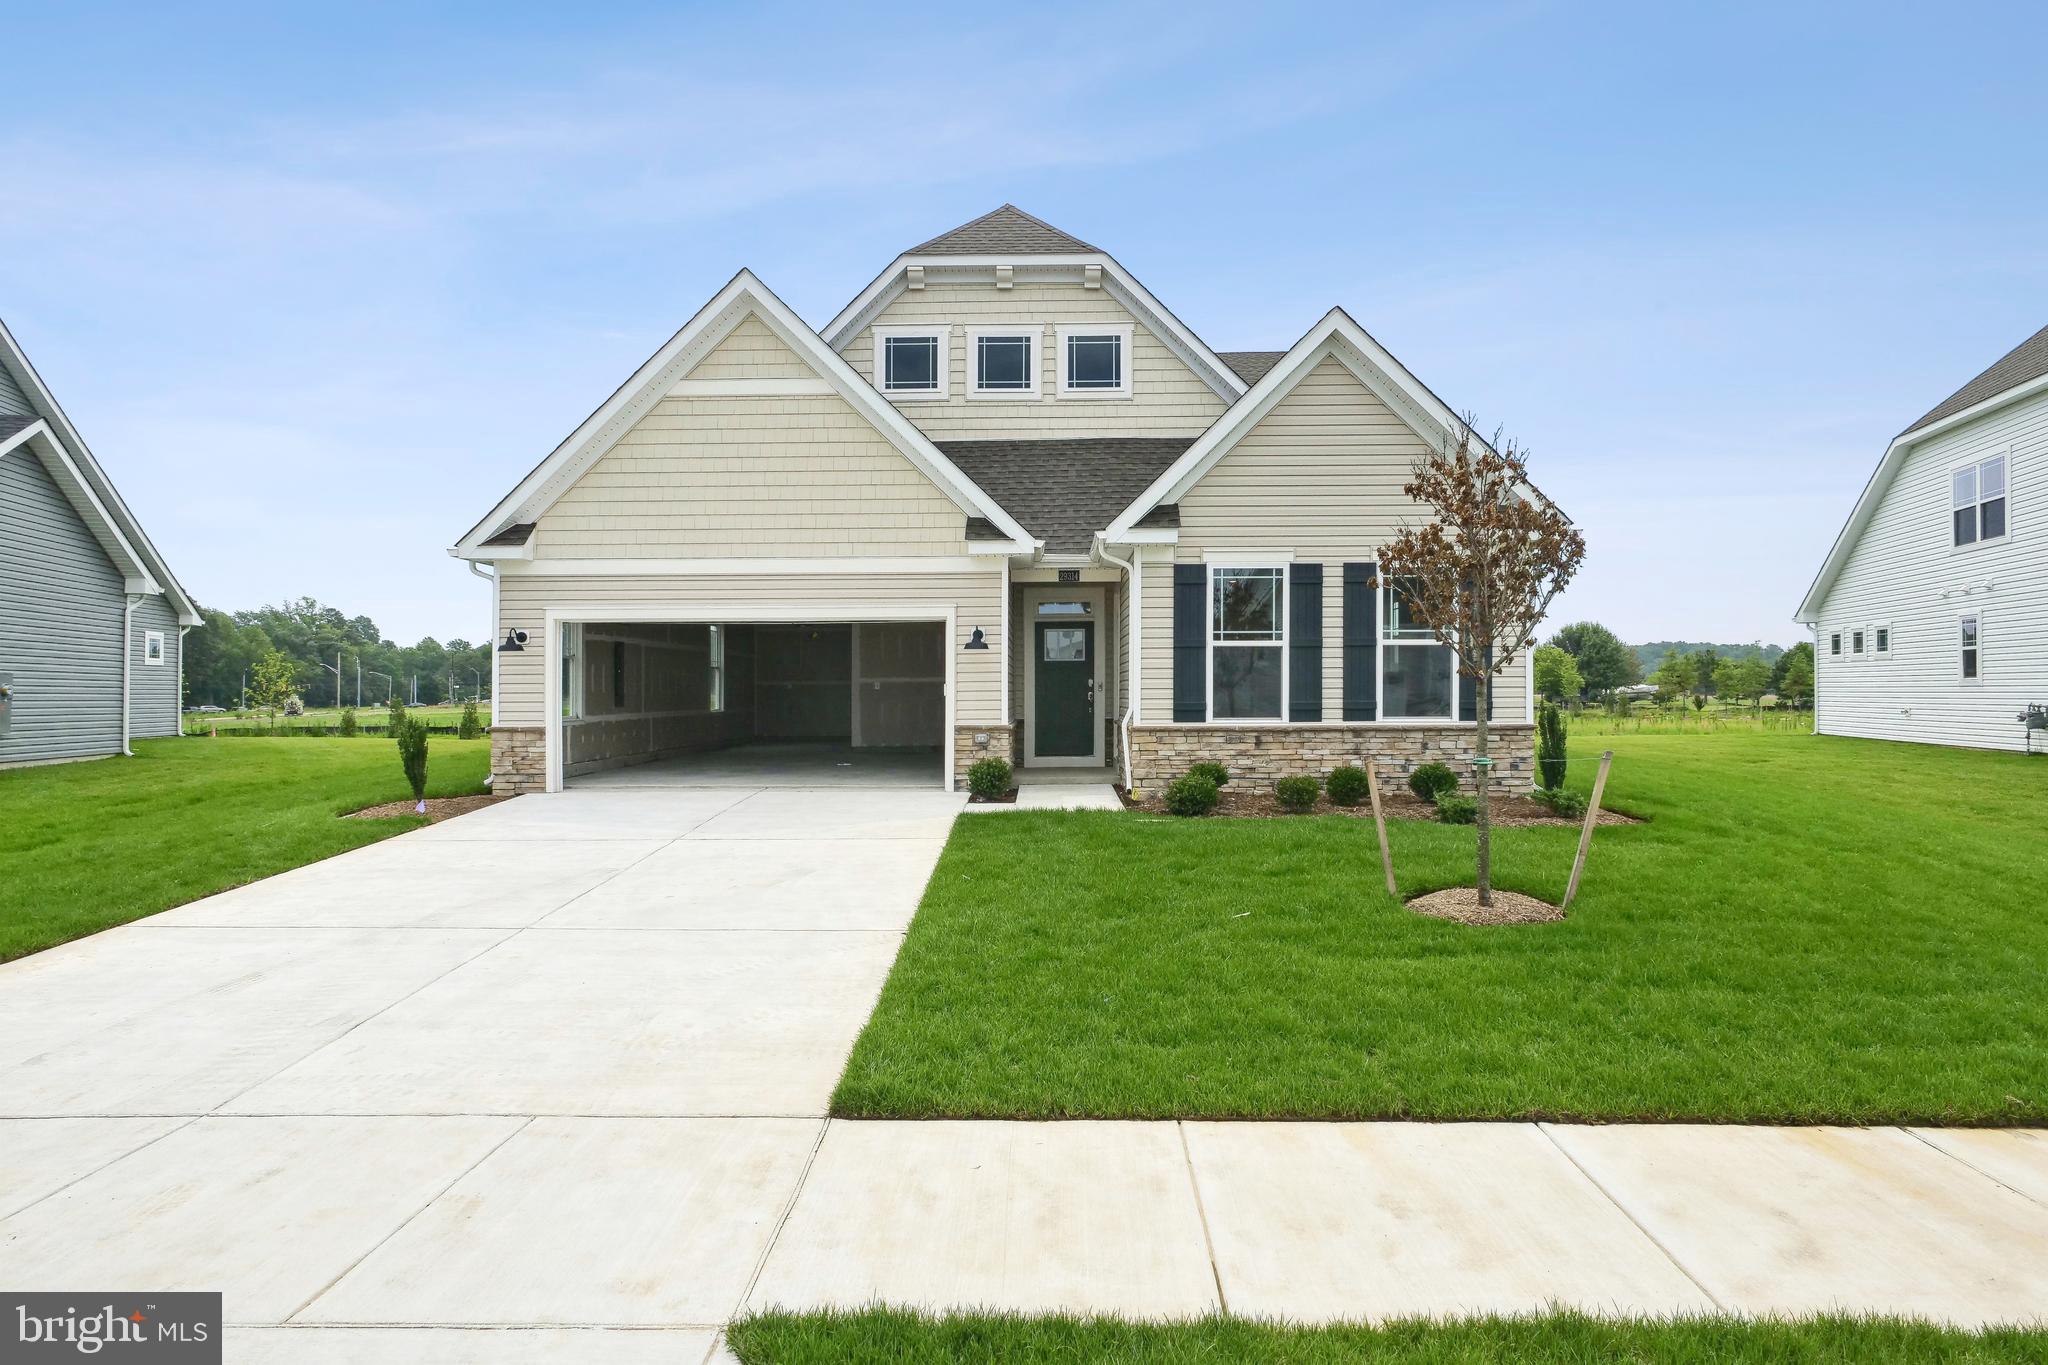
[(1257, 754), (972, 743), (519, 759)]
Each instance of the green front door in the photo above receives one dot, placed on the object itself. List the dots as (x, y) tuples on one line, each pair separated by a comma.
[(1065, 690)]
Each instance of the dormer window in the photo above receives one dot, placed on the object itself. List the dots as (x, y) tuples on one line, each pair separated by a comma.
[(1095, 361), (911, 362), (1003, 362)]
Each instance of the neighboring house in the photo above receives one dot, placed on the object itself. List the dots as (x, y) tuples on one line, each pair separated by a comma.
[(1930, 615), (1006, 503), (92, 623)]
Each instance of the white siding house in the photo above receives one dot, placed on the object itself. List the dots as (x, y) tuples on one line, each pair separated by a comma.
[(1930, 615)]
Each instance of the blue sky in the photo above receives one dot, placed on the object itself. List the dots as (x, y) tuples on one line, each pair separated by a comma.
[(318, 286)]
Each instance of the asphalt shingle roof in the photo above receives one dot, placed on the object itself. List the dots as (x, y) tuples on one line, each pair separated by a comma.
[(1007, 231), (1064, 491), (2024, 362), (1251, 366), (515, 534)]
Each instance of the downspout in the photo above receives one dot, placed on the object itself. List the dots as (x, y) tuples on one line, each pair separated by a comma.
[(183, 631), (1132, 605), (491, 636), (134, 600)]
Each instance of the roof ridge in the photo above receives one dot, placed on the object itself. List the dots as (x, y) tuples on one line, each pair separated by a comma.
[(986, 234)]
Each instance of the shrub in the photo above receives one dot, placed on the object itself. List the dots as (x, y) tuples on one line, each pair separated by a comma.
[(295, 706), (1191, 794), (395, 726), (472, 725), (1569, 804), (1456, 808), (1297, 793), (989, 778), (1432, 780), (348, 720), (412, 754), (1347, 785), (1549, 746), (1217, 774)]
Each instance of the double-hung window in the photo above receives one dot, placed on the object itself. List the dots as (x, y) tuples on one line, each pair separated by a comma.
[(1855, 642), (1971, 639), (1247, 643), (717, 666), (1003, 362), (1977, 501), (1835, 642), (1095, 360), (911, 362), (1417, 678)]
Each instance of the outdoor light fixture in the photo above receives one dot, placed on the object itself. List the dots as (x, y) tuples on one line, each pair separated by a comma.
[(975, 641), (515, 642)]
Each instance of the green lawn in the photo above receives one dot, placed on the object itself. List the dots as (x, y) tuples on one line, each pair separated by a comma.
[(880, 1335), (89, 845), (1808, 930), (256, 722)]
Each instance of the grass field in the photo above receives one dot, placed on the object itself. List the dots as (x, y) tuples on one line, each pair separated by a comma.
[(440, 717), (885, 1335), (1674, 720), (89, 845), (1808, 930)]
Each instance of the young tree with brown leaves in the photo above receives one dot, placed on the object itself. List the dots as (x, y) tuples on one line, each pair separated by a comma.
[(1482, 574)]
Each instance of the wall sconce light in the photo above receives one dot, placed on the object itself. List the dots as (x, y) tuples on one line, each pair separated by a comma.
[(515, 642), (975, 641)]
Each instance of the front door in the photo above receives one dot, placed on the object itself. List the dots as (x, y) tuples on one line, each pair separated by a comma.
[(1065, 690)]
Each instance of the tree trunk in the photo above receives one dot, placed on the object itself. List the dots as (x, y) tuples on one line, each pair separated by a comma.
[(1482, 685)]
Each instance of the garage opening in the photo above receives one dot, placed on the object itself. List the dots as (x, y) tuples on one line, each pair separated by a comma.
[(801, 704)]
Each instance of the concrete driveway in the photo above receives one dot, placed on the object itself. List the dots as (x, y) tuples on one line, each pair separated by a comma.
[(560, 1063)]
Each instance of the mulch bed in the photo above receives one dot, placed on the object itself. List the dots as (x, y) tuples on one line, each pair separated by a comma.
[(439, 808), (1460, 904), (1008, 798), (1508, 811)]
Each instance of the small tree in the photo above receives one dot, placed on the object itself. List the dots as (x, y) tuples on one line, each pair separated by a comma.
[(1550, 754), (1795, 674), (1481, 575), (1605, 663), (1557, 673), (412, 755), (348, 720), (395, 724), (1674, 678), (472, 724), (271, 684)]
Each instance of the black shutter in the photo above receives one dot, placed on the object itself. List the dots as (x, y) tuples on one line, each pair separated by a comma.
[(1190, 642), (1361, 643), (1304, 642)]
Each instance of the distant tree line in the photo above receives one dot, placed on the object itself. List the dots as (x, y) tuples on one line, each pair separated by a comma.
[(221, 658), (1586, 660)]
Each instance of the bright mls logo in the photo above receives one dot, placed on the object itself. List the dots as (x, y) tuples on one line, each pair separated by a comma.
[(172, 1329)]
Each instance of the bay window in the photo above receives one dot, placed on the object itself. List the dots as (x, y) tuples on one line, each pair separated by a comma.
[(1247, 643), (1418, 679)]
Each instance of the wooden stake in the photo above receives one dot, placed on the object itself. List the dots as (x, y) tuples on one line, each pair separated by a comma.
[(1372, 784), (1586, 833)]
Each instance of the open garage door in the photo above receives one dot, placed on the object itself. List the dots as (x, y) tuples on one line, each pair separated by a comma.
[(764, 703)]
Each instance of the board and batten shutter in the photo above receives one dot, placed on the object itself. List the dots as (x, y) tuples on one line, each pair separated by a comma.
[(1361, 643), (1304, 642), (1190, 642)]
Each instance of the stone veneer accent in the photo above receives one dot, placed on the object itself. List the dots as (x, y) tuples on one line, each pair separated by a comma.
[(518, 759), (972, 743), (1257, 754)]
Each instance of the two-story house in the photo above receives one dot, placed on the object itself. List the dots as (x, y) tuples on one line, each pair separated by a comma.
[(1930, 614), (1006, 503)]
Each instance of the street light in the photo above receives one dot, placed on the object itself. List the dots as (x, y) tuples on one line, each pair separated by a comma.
[(389, 685)]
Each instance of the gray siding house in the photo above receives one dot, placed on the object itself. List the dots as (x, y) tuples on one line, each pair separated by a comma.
[(92, 622)]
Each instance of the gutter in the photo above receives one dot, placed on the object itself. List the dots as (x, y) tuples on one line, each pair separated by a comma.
[(133, 601), (1131, 605)]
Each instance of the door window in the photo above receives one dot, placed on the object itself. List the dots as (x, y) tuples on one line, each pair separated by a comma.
[(1066, 645)]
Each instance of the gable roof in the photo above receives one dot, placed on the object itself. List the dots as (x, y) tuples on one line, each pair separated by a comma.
[(496, 536), (49, 433), (1007, 231), (2024, 362), (1337, 336), (1064, 491), (1251, 366), (2019, 373)]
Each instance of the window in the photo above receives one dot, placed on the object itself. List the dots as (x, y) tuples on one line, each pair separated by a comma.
[(1881, 639), (1004, 362), (717, 652), (1977, 501), (1063, 609), (572, 670), (1972, 643), (1095, 361), (1417, 677), (1065, 645), (1247, 644), (1855, 642), (153, 647), (1835, 643), (911, 362)]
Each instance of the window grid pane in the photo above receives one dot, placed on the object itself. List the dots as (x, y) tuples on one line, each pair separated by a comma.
[(1002, 362), (1245, 605), (910, 363), (1095, 362)]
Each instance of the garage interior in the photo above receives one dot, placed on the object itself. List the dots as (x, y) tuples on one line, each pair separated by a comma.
[(753, 704)]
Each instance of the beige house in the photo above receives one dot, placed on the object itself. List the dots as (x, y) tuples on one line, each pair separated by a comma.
[(1006, 503)]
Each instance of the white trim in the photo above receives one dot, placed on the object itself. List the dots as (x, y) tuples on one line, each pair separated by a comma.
[(766, 565), (1102, 638), (1150, 535), (156, 638), (37, 439), (727, 613), (1033, 333), (129, 602), (749, 388), (941, 335), (1210, 642), (1003, 688), (1122, 331), (743, 295), (1236, 559), (1963, 618)]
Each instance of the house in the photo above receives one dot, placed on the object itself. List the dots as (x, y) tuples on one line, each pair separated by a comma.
[(1005, 503), (1930, 614), (92, 622)]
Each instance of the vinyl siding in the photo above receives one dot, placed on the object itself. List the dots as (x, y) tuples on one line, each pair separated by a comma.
[(525, 598), (153, 688), (1319, 476), (751, 351), (1167, 398), (13, 402), (61, 601), (1904, 573)]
